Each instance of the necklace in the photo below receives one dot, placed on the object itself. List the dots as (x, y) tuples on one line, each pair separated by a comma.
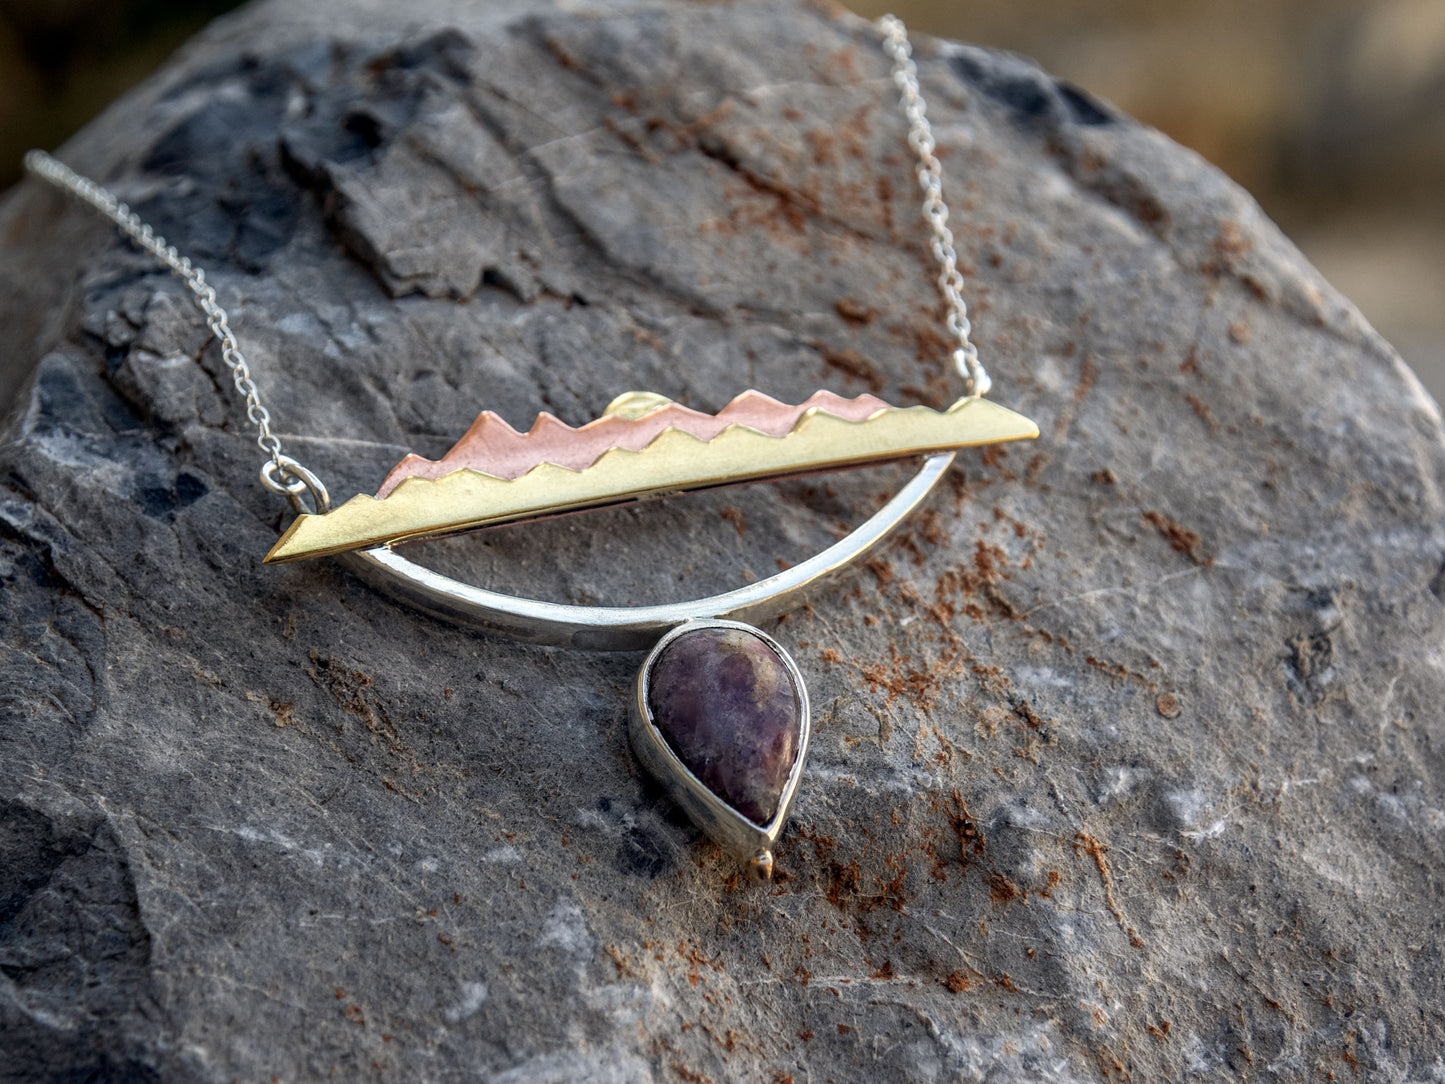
[(719, 711)]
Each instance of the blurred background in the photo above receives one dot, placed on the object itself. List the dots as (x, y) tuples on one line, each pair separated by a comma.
[(1332, 112)]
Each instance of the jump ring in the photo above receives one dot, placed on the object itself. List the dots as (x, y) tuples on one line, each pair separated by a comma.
[(284, 475)]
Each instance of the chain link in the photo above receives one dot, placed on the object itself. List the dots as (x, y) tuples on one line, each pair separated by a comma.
[(935, 211), (280, 473)]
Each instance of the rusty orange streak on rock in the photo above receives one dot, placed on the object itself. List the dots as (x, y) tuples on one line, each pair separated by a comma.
[(494, 447)]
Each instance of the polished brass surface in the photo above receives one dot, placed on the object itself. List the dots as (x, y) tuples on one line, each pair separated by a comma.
[(675, 462)]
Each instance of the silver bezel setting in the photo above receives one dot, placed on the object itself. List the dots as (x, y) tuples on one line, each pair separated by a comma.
[(752, 843)]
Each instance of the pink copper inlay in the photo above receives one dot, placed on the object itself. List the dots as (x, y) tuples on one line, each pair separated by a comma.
[(493, 447)]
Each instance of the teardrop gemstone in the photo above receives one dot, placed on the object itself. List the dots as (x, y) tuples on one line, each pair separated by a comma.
[(726, 704)]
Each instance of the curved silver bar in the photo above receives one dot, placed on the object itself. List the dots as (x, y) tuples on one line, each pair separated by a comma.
[(628, 628)]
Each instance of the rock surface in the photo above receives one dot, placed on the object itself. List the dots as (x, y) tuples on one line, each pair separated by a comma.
[(1128, 751)]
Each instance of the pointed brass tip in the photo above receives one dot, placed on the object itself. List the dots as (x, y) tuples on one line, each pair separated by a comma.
[(760, 866)]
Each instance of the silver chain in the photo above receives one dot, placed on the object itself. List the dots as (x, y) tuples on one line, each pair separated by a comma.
[(280, 473), (286, 476), (935, 211)]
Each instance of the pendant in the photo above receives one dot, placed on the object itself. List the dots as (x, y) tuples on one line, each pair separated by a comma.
[(720, 718), (720, 712)]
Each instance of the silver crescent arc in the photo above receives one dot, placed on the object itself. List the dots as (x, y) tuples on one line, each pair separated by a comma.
[(628, 628)]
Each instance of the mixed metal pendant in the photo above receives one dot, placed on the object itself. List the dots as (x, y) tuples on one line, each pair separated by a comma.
[(719, 713)]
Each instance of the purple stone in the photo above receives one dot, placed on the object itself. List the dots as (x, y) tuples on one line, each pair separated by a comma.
[(726, 704)]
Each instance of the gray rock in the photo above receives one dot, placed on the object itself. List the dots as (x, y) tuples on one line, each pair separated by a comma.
[(1128, 758)]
